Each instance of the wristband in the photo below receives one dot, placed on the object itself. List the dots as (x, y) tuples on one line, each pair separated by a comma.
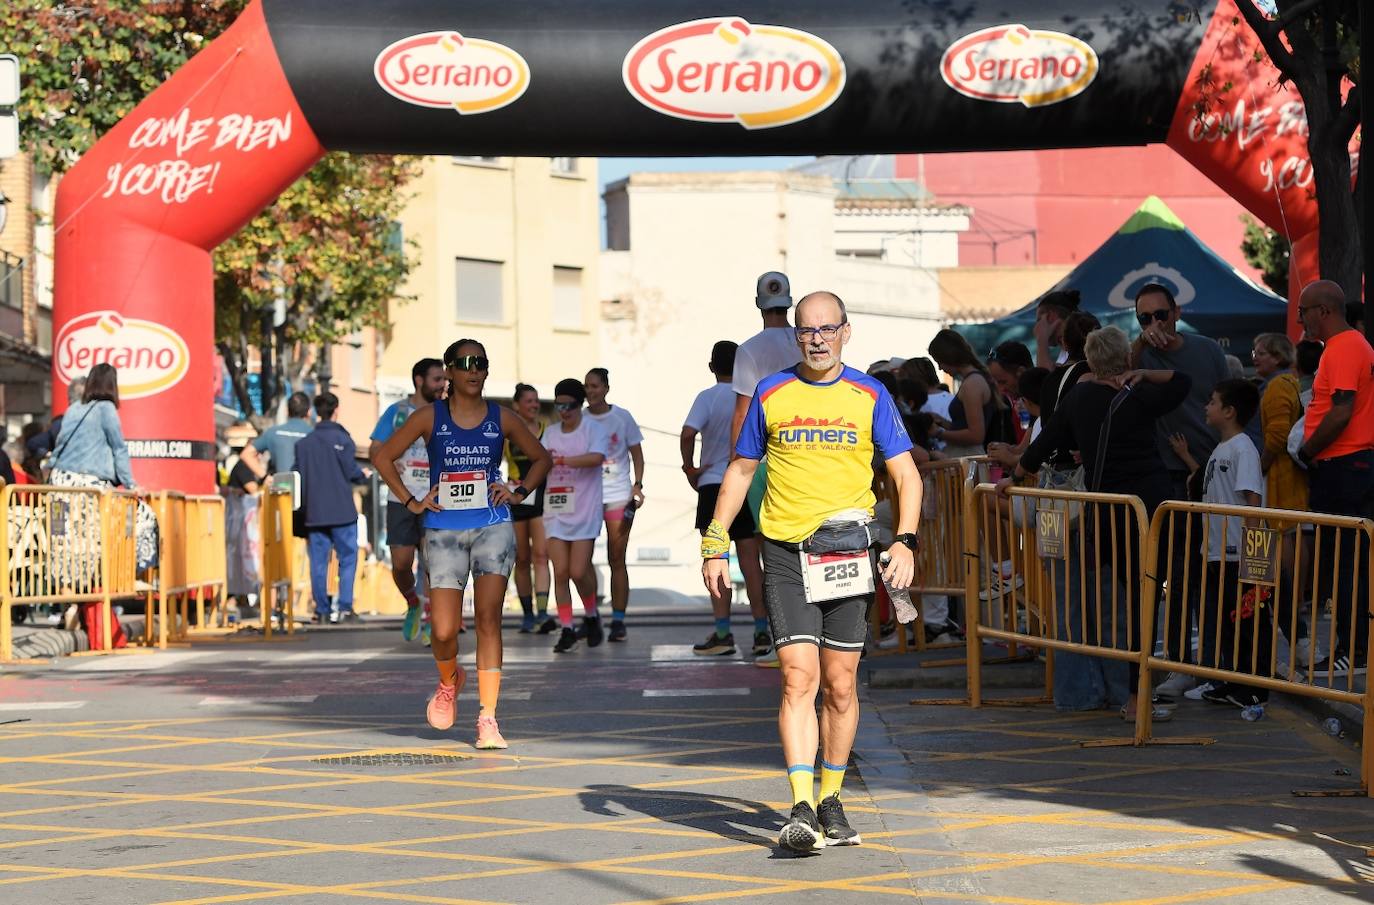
[(715, 542), (408, 501)]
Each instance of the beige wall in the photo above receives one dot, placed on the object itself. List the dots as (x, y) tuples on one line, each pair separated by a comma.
[(516, 211), (987, 293)]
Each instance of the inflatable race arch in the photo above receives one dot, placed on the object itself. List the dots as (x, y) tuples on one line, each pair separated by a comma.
[(138, 216)]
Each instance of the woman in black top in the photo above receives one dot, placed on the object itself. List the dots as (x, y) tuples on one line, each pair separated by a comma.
[(1077, 326)]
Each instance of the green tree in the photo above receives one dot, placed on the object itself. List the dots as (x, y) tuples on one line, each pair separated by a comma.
[(313, 268), (1267, 251)]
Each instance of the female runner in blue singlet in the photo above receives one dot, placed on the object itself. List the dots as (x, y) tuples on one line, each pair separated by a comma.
[(467, 524)]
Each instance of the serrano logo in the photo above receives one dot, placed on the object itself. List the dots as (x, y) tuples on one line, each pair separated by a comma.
[(726, 70), (1013, 64), (444, 69), (149, 357)]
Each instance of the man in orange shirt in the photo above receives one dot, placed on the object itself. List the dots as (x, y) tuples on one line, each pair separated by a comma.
[(1338, 450)]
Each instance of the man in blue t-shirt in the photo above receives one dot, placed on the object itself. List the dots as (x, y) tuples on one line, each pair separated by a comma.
[(403, 527), (279, 441)]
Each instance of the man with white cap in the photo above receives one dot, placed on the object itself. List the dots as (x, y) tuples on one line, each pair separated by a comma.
[(772, 349)]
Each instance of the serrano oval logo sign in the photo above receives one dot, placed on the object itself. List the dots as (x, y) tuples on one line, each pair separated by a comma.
[(443, 69), (149, 357), (1014, 64), (726, 70)]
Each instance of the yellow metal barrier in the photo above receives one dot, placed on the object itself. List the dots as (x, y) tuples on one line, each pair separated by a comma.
[(65, 545), (279, 556), (207, 565), (1078, 558), (1251, 602), (167, 579)]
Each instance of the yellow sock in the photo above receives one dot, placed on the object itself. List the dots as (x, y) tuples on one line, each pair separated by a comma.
[(831, 779), (488, 690), (802, 777)]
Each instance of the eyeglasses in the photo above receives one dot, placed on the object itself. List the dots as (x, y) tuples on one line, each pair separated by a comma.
[(567, 406), (1145, 317), (1303, 309), (470, 363), (827, 332)]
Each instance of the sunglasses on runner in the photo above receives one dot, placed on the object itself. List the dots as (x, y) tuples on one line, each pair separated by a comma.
[(1160, 316), (470, 363), (567, 406)]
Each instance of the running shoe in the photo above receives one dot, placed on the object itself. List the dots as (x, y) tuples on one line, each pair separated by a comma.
[(443, 707), (548, 624), (803, 831), (567, 640), (349, 617), (425, 634), (526, 624), (830, 815), (591, 629), (410, 629), (768, 660), (1001, 586), (617, 631), (1236, 695), (1198, 692), (763, 643), (715, 646), (1339, 665), (489, 735)]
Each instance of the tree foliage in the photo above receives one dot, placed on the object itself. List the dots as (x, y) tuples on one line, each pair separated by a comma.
[(1267, 251), (327, 248)]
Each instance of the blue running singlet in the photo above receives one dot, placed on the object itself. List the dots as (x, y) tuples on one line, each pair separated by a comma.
[(465, 464)]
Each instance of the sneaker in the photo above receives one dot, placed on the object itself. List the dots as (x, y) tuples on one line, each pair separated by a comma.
[(410, 629), (1199, 692), (1001, 586), (1175, 684), (830, 814), (592, 631), (489, 735), (802, 832), (548, 624), (1301, 653), (763, 643), (1231, 693), (425, 634), (443, 707), (349, 617), (617, 631), (1339, 665), (768, 660), (715, 646), (567, 640), (526, 624)]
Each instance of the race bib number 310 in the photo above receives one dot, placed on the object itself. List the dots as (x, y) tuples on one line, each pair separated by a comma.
[(463, 490), (830, 576)]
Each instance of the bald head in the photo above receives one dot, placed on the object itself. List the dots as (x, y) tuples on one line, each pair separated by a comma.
[(1321, 309), (1324, 292), (819, 308)]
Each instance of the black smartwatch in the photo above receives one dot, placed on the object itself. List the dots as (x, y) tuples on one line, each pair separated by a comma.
[(910, 541), (521, 489)]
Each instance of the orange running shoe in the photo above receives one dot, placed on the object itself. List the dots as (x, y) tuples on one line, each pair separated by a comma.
[(489, 735), (443, 707)]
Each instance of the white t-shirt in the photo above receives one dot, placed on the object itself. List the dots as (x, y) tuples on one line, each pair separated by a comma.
[(622, 432), (769, 351), (711, 415), (1232, 469), (582, 484)]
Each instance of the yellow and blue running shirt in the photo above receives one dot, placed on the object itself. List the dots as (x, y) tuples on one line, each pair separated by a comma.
[(819, 439)]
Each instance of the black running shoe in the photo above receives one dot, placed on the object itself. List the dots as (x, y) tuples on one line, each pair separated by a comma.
[(715, 646), (591, 630), (567, 640), (802, 832), (763, 643), (1236, 695), (830, 814), (617, 631), (549, 624)]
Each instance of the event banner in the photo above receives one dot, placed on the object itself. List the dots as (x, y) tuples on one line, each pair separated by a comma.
[(139, 216)]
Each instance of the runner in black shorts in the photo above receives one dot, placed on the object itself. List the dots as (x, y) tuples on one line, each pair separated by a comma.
[(531, 543)]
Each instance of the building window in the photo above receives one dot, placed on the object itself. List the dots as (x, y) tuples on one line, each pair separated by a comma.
[(567, 297), (357, 368), (479, 291), (563, 166), (477, 161)]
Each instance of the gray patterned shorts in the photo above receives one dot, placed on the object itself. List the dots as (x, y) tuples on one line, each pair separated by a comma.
[(451, 555)]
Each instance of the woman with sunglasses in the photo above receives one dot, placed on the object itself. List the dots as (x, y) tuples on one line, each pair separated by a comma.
[(531, 545), (573, 509), (467, 520)]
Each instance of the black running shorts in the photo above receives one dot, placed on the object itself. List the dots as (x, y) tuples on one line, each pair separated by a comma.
[(403, 527), (742, 528), (836, 624)]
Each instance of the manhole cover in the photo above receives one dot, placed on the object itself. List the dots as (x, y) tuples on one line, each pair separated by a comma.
[(395, 759)]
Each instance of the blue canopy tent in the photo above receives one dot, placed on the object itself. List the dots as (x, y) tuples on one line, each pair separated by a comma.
[(1154, 246)]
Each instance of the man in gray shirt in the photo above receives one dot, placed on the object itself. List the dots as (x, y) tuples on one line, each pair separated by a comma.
[(1161, 346), (279, 441)]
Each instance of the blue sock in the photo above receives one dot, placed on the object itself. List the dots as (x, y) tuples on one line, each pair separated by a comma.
[(617, 616), (761, 625), (722, 627)]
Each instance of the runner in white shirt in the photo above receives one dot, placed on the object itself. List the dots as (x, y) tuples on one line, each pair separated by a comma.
[(573, 511), (621, 496), (404, 529)]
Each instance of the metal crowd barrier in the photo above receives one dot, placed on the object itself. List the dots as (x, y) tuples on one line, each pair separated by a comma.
[(207, 567), (1077, 576), (1259, 605), (167, 578), (65, 545), (279, 560)]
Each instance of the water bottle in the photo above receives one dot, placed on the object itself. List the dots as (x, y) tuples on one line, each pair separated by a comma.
[(630, 508), (901, 599), (1332, 727), (1253, 713)]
